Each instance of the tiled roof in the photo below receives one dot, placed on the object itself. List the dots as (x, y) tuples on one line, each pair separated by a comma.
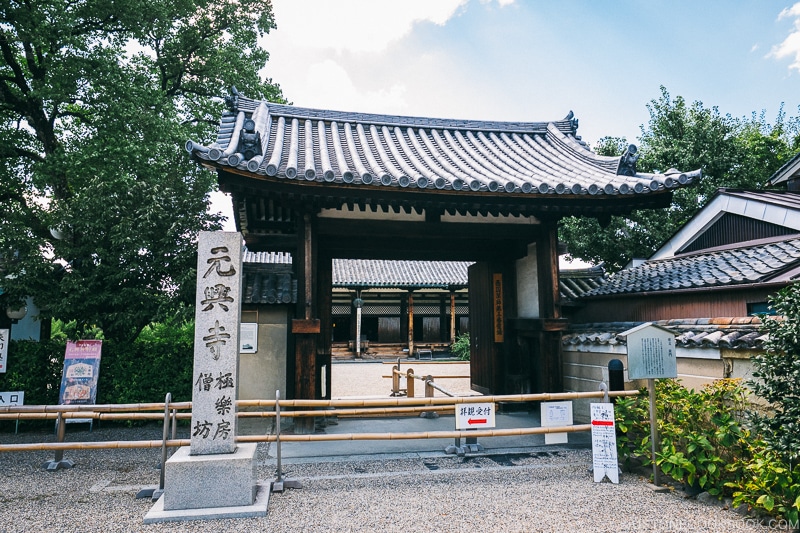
[(267, 258), (754, 263), (377, 273), (358, 149), (574, 283), (735, 333), (431, 274)]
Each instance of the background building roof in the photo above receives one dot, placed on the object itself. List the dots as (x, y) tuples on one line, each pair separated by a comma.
[(727, 332), (769, 260)]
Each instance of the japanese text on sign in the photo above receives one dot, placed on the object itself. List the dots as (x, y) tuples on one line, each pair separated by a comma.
[(216, 343), (651, 352), (604, 442), (497, 296), (4, 337), (475, 415)]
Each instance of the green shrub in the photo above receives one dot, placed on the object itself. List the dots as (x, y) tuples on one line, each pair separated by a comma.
[(35, 368), (159, 361), (777, 373), (769, 485), (701, 433), (633, 428), (460, 348)]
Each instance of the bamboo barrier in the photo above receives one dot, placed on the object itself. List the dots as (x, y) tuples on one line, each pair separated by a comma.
[(430, 362), (367, 407), (441, 377), (105, 408), (316, 437), (83, 411)]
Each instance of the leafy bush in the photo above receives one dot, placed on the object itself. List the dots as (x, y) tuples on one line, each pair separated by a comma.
[(778, 377), (460, 348), (35, 368), (633, 428), (768, 484), (159, 361), (701, 433)]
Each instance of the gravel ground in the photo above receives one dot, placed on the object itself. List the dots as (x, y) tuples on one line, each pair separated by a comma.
[(531, 491), (537, 491)]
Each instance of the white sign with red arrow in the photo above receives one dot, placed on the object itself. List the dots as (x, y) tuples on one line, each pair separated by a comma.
[(475, 415)]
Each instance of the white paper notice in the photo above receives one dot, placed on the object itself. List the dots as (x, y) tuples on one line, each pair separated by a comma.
[(604, 442)]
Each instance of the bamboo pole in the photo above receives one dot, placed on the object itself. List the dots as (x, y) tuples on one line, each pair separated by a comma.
[(439, 377), (88, 414), (104, 408), (316, 437), (431, 362), (111, 412)]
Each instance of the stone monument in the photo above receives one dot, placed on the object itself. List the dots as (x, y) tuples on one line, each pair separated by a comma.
[(214, 477)]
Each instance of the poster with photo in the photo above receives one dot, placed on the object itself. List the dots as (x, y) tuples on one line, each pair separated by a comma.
[(81, 370), (248, 337)]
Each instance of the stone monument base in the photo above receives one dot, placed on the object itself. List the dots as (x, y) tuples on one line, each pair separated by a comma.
[(157, 514), (196, 486)]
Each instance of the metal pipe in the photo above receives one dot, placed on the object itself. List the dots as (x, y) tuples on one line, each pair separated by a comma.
[(165, 435)]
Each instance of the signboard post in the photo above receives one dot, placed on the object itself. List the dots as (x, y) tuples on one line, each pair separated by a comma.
[(651, 356), (604, 442), (475, 416), (8, 399), (472, 416), (556, 414), (81, 370)]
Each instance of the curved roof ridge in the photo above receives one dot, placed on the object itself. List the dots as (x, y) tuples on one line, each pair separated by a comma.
[(566, 125)]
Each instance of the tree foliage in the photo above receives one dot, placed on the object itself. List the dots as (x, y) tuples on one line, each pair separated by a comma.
[(731, 152), (100, 203)]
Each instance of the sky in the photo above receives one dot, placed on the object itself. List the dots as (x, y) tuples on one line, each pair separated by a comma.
[(537, 60)]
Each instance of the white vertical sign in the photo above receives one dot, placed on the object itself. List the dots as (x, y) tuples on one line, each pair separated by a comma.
[(5, 336), (604, 442), (216, 342)]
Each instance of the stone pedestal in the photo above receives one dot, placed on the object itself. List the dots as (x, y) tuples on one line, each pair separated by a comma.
[(212, 480), (211, 486)]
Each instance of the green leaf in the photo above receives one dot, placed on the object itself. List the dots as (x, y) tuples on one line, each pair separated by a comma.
[(766, 501)]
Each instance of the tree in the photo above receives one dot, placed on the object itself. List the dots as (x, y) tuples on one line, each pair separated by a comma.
[(100, 203), (731, 152)]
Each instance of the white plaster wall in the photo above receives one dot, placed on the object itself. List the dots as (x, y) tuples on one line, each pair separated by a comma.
[(264, 372), (528, 285)]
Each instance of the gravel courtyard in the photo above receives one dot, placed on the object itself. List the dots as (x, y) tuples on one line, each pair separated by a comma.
[(536, 490)]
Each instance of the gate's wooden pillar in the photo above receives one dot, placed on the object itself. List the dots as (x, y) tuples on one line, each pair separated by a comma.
[(550, 307), (306, 328), (325, 292), (410, 323), (452, 317)]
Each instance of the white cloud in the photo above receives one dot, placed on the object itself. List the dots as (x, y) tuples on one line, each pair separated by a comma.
[(357, 25), (329, 86), (790, 47)]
